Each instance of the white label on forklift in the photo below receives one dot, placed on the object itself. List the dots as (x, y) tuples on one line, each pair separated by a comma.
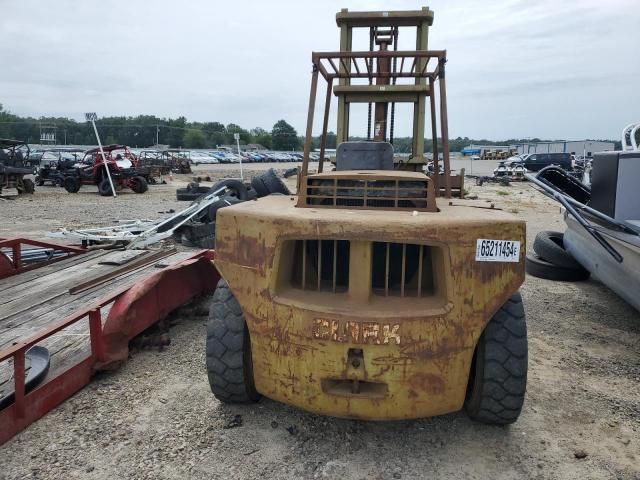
[(497, 250)]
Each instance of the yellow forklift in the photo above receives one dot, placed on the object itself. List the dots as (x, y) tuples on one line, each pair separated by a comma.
[(371, 293)]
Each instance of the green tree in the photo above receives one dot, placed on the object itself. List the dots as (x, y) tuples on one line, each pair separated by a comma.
[(331, 140), (284, 136), (261, 136), (215, 133), (232, 128), (194, 139), (175, 132)]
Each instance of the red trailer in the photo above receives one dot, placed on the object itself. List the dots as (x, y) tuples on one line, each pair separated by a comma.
[(73, 312)]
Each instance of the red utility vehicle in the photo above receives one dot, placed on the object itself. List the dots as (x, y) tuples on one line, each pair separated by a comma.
[(123, 167)]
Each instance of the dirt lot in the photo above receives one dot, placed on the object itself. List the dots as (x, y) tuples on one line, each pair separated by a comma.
[(156, 418)]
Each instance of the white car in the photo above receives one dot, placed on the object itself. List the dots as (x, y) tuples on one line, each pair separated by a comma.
[(198, 158)]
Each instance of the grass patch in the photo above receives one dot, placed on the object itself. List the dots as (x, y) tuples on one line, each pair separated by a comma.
[(502, 192)]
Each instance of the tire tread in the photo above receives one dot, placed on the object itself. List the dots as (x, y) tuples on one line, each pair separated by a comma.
[(226, 343), (498, 384)]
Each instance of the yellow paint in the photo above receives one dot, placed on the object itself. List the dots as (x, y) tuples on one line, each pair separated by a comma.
[(419, 348)]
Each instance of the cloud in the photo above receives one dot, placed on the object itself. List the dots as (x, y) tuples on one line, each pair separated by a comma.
[(511, 63)]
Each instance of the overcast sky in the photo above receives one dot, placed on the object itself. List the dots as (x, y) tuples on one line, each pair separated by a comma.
[(548, 69)]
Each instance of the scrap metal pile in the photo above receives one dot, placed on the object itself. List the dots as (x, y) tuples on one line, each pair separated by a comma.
[(193, 227)]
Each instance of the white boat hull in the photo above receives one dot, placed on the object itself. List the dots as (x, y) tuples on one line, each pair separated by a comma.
[(623, 278)]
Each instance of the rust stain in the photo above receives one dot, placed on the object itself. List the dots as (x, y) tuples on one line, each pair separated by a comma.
[(423, 358), (427, 382)]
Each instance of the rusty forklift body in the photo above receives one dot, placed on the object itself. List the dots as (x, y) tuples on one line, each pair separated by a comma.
[(366, 294)]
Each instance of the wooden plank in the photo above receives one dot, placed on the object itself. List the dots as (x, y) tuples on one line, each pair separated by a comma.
[(130, 265), (49, 287), (45, 292), (54, 276), (30, 321), (121, 257), (25, 277)]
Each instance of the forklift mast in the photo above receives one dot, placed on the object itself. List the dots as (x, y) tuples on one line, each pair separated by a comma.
[(380, 77)]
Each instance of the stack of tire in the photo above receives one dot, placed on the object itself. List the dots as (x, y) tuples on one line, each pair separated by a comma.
[(550, 260), (269, 183), (200, 231)]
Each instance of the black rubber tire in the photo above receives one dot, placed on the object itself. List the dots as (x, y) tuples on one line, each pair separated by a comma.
[(251, 193), (498, 376), (104, 188), (71, 184), (258, 185), (229, 364), (549, 246), (184, 196), (28, 186), (209, 214), (536, 266), (235, 188), (290, 172), (274, 183), (39, 181), (194, 231), (207, 243), (138, 184)]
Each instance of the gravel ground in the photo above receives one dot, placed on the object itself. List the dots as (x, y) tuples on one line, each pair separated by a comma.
[(156, 418)]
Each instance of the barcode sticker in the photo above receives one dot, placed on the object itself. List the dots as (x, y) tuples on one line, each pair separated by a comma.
[(497, 250)]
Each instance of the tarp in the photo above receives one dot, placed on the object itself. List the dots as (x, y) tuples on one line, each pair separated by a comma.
[(470, 151)]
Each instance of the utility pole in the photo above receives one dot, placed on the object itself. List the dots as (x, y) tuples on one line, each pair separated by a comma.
[(157, 134), (92, 117), (237, 137)]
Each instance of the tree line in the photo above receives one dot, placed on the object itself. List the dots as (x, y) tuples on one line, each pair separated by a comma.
[(145, 131), (148, 130)]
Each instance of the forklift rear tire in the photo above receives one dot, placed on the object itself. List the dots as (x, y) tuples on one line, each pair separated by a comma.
[(498, 377), (229, 364)]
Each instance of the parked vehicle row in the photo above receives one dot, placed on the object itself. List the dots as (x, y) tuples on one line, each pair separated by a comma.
[(223, 156), (202, 157)]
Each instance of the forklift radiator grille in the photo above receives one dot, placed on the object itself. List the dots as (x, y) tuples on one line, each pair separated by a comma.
[(354, 193), (402, 270), (321, 265)]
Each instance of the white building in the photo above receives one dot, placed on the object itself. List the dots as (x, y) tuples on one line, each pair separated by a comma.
[(579, 147)]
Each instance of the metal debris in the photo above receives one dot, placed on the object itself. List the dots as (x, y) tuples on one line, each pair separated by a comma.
[(141, 233)]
